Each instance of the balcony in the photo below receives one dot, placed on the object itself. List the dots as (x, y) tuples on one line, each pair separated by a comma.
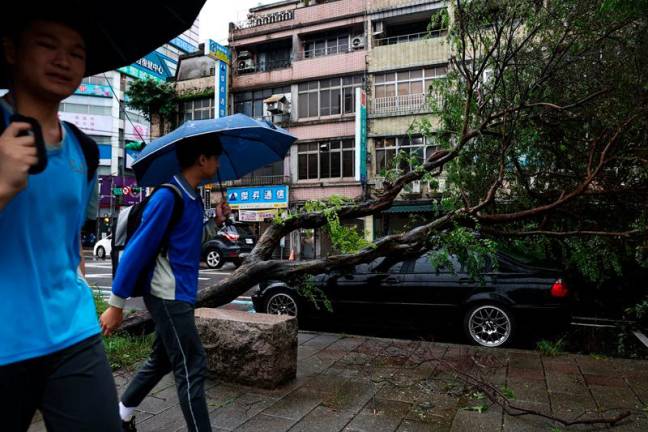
[(399, 104), (406, 54), (393, 40), (265, 22), (303, 68)]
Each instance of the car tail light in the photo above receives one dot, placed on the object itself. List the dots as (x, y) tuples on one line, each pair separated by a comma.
[(232, 237), (559, 289)]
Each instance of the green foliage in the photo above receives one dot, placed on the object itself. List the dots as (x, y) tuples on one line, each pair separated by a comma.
[(471, 251), (507, 392), (308, 290), (152, 97), (345, 239), (551, 348), (195, 94), (123, 351)]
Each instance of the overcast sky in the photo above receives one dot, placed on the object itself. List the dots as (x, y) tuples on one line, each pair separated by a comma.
[(217, 14)]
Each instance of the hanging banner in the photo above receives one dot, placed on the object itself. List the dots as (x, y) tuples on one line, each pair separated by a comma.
[(256, 215)]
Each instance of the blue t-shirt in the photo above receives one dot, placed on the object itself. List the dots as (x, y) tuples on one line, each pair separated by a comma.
[(46, 306)]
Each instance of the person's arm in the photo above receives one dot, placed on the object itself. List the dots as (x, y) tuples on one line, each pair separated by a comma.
[(139, 252), (17, 155)]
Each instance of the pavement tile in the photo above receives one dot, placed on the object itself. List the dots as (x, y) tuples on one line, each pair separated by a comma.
[(295, 405), (615, 397), (526, 374), (232, 415), (640, 387), (379, 415), (303, 337), (528, 422), (566, 383), (473, 421), (412, 426), (266, 423), (532, 391), (166, 421), (313, 366), (347, 343), (605, 381), (322, 340), (373, 347), (438, 411), (596, 366), (305, 351), (562, 365), (525, 360), (569, 406), (323, 419)]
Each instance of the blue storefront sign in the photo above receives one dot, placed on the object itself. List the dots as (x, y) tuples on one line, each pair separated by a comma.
[(150, 66), (183, 45), (258, 197)]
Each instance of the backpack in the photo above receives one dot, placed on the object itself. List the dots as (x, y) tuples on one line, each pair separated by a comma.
[(127, 222), (89, 147)]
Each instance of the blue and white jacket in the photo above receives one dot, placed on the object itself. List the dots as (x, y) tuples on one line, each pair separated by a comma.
[(175, 274)]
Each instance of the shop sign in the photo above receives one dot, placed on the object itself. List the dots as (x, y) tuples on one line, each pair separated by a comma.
[(258, 197), (256, 215)]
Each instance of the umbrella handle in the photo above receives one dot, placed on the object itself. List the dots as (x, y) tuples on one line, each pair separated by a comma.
[(220, 183)]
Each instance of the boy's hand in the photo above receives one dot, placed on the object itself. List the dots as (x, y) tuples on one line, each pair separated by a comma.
[(17, 155), (111, 319)]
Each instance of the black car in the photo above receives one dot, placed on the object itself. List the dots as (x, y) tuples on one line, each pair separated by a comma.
[(504, 300), (231, 243)]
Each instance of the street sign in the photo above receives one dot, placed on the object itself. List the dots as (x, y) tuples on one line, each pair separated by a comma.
[(126, 190)]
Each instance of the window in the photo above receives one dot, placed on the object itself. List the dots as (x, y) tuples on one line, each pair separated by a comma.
[(405, 83), (198, 109), (101, 140), (327, 159), (328, 97), (251, 104), (85, 109), (413, 149), (326, 45), (96, 80)]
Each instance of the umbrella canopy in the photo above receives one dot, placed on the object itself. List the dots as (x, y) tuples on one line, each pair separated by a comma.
[(116, 33), (248, 144)]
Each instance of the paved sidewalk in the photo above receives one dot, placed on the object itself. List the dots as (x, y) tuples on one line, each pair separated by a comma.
[(361, 384)]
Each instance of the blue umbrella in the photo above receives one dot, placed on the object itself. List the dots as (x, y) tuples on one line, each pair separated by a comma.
[(248, 144)]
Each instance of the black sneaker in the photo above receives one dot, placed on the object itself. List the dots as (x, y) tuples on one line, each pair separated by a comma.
[(129, 426)]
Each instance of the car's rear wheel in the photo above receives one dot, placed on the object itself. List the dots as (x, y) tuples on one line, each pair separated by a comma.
[(101, 252), (214, 259), (281, 303), (489, 325)]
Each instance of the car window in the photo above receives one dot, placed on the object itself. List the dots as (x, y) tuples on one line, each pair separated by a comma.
[(424, 265), (243, 230), (386, 265)]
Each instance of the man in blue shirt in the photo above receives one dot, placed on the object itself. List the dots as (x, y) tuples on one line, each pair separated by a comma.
[(172, 285), (51, 354)]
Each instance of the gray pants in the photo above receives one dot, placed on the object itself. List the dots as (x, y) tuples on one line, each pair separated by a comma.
[(73, 388), (176, 348)]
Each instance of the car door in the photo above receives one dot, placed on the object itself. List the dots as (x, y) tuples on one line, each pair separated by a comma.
[(347, 290)]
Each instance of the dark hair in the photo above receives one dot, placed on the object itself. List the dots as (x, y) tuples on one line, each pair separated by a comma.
[(191, 149)]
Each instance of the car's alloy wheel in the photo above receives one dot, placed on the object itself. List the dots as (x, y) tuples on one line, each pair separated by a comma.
[(489, 325), (281, 304), (101, 252), (214, 259)]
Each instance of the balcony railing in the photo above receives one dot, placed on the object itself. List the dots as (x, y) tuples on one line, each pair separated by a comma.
[(393, 40), (266, 66), (259, 181), (396, 104), (322, 52)]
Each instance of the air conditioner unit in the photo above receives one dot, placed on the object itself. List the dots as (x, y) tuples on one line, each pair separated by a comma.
[(277, 104), (357, 42), (245, 65), (244, 55), (416, 186)]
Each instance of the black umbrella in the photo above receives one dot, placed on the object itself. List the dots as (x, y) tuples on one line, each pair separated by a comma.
[(116, 32)]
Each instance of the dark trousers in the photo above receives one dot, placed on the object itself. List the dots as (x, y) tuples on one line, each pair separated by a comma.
[(176, 348), (73, 388)]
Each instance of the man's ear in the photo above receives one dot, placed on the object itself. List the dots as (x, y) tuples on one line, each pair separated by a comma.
[(9, 48)]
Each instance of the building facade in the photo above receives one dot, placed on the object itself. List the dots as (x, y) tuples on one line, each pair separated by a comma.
[(313, 56)]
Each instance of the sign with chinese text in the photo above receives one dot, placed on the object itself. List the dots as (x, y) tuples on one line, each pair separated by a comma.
[(257, 215), (94, 90), (258, 197), (223, 56), (90, 123), (150, 66), (361, 135)]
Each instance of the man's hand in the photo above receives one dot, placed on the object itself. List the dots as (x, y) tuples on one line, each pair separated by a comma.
[(111, 319), (223, 211), (17, 155)]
